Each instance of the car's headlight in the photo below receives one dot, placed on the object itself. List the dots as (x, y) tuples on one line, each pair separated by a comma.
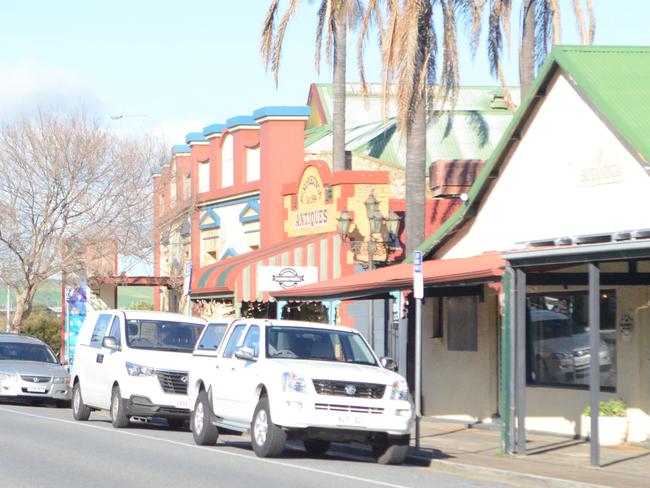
[(6, 376), (61, 380), (293, 383), (400, 390), (138, 370)]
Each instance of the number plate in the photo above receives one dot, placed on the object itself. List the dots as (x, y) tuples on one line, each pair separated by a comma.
[(37, 388), (181, 403), (351, 420)]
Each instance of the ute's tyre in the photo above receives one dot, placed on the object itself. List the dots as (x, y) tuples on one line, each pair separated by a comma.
[(267, 438), (316, 447), (393, 451), (119, 418), (80, 410), (204, 433)]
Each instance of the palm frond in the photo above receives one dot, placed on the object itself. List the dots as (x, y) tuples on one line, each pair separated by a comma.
[(580, 21), (267, 33), (372, 12), (279, 37), (554, 8), (592, 21)]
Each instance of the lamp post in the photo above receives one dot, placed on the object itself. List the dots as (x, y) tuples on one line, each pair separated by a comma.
[(381, 239)]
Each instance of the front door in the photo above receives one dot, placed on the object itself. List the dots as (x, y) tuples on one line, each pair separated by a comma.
[(222, 387), (92, 382)]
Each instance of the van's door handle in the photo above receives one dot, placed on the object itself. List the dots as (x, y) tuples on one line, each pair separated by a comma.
[(100, 357), (217, 366)]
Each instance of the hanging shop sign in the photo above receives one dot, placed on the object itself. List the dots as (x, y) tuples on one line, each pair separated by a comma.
[(312, 210), (276, 278)]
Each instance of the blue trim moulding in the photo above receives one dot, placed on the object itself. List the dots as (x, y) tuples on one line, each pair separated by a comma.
[(213, 129), (181, 148), (240, 120), (157, 171), (250, 205), (285, 111), (230, 252), (209, 212), (194, 137)]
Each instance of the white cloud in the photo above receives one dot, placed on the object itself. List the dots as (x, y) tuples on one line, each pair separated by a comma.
[(29, 84)]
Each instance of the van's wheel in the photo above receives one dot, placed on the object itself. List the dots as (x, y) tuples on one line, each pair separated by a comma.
[(119, 418), (80, 410), (204, 433), (392, 451), (316, 447), (268, 439)]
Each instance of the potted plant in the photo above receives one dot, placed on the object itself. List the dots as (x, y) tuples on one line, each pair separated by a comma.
[(612, 422)]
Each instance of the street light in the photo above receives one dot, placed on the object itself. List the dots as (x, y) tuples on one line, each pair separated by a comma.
[(382, 238), (382, 232)]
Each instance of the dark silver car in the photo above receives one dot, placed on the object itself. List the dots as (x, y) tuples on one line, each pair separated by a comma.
[(29, 369)]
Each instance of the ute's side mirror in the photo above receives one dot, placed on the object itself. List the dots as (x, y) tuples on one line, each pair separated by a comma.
[(245, 353), (388, 363), (110, 343)]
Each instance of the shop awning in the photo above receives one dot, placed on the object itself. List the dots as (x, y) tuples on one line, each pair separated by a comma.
[(236, 276), (399, 277)]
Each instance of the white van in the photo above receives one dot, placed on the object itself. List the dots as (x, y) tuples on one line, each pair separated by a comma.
[(134, 363)]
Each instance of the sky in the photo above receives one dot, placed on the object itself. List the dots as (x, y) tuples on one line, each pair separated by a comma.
[(173, 67)]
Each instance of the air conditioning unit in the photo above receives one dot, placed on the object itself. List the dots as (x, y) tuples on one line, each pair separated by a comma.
[(449, 178)]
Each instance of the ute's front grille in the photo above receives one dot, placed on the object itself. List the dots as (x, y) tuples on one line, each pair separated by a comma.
[(349, 389), (36, 379), (173, 381), (334, 407)]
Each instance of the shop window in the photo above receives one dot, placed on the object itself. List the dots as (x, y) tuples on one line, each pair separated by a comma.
[(187, 186), (462, 329), (557, 339), (437, 318), (227, 163), (204, 176)]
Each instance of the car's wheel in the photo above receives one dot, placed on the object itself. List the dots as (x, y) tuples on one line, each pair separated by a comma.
[(316, 447), (391, 452), (268, 439), (119, 418), (175, 423), (204, 433), (79, 409)]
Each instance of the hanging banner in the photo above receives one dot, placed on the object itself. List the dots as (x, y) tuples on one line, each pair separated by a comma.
[(275, 278)]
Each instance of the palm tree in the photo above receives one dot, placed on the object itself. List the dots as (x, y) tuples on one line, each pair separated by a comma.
[(410, 55), (540, 28), (335, 17)]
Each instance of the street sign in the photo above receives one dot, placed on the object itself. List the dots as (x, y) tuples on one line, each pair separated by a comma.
[(418, 277)]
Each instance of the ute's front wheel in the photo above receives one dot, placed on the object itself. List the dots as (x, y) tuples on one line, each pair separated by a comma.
[(204, 433), (268, 439), (392, 451)]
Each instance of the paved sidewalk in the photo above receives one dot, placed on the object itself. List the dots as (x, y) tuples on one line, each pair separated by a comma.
[(550, 460)]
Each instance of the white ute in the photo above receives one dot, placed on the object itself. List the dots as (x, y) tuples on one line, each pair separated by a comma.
[(286, 380)]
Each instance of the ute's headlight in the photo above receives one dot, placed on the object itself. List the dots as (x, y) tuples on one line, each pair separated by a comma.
[(293, 383), (61, 380), (400, 390), (138, 370)]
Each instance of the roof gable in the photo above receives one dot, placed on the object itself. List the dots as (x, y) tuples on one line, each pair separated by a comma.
[(594, 71)]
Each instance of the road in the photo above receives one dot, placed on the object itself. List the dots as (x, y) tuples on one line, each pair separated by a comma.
[(43, 446)]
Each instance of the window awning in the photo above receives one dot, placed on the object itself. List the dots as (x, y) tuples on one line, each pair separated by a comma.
[(225, 277), (400, 277)]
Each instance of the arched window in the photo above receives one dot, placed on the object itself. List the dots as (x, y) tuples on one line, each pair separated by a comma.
[(227, 163)]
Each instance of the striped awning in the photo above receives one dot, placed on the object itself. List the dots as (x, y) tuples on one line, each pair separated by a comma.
[(237, 276)]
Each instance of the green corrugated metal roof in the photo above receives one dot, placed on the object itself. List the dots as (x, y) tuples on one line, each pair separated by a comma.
[(615, 79), (470, 130)]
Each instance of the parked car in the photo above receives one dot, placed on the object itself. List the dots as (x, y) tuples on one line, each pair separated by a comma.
[(283, 380), (561, 348), (134, 363), (29, 369)]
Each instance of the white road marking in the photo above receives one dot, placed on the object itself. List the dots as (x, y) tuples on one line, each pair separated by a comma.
[(207, 449)]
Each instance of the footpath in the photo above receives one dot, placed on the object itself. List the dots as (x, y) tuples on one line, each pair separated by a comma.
[(549, 462)]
